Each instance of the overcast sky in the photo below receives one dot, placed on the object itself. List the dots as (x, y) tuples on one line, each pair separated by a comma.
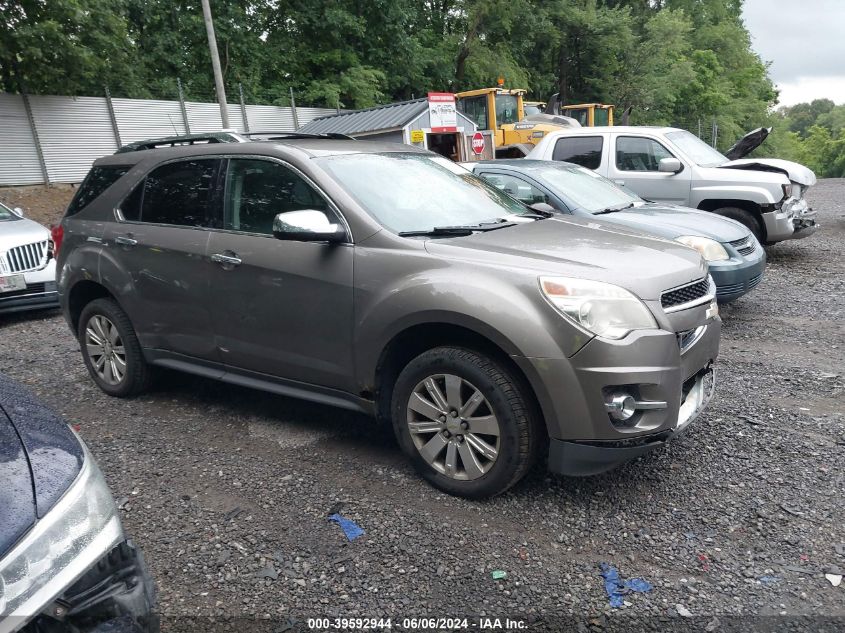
[(805, 42)]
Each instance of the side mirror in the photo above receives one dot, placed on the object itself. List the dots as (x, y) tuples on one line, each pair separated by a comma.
[(308, 225), (670, 165), (542, 208), (18, 212)]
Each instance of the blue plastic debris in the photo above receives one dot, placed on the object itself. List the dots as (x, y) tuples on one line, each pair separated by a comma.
[(768, 580), (616, 588), (349, 527)]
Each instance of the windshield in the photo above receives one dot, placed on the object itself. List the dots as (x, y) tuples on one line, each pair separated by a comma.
[(417, 192), (506, 109), (6, 214), (584, 189), (700, 152)]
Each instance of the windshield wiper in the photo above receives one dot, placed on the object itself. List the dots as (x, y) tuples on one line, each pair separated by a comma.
[(458, 231), (614, 209)]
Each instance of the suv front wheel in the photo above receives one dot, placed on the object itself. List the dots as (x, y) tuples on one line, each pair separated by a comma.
[(111, 350), (464, 422)]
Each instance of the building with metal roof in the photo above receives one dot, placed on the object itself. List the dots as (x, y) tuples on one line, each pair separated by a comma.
[(407, 122)]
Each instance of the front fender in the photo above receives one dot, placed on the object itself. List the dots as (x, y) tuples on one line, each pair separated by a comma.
[(761, 196), (506, 308)]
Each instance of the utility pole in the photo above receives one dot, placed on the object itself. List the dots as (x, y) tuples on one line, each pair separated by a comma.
[(215, 63)]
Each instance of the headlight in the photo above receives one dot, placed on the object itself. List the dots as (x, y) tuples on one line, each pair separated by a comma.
[(603, 309), (75, 534), (710, 250)]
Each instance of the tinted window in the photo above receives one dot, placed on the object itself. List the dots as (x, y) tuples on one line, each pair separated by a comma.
[(177, 193), (516, 187), (581, 150), (476, 109), (258, 190), (639, 154), (96, 182)]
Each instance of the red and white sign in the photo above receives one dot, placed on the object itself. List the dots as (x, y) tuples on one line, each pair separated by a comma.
[(477, 143), (442, 112)]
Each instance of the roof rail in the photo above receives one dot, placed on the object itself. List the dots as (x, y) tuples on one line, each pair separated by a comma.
[(184, 139), (334, 135)]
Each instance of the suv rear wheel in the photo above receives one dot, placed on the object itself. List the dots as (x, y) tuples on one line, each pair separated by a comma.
[(111, 350), (464, 422)]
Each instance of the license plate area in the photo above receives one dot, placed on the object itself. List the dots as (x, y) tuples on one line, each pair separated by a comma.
[(11, 283)]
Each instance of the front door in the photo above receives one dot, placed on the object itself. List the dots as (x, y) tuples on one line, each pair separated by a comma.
[(154, 257), (634, 164), (282, 308)]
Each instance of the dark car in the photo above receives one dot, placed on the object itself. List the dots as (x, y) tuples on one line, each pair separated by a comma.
[(65, 564), (735, 257), (386, 279)]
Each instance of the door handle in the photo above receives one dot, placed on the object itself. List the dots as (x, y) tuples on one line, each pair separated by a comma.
[(621, 183), (125, 240), (226, 260)]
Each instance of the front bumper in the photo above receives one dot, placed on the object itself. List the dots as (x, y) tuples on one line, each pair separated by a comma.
[(667, 371), (738, 275), (38, 296), (117, 595), (581, 459), (794, 220)]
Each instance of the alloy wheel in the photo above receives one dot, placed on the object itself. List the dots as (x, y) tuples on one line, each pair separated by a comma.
[(453, 426), (105, 350)]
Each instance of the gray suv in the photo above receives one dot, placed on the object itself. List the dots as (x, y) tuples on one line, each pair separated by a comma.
[(384, 279)]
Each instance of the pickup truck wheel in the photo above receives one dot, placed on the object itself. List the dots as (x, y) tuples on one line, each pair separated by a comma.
[(744, 217), (464, 422), (111, 350)]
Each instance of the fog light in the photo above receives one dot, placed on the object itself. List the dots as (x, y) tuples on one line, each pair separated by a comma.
[(621, 407)]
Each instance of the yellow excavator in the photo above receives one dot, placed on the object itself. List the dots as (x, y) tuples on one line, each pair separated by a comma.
[(518, 126), (502, 110)]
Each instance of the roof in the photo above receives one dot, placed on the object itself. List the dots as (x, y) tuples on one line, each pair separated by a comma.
[(385, 117), (310, 147), (621, 129)]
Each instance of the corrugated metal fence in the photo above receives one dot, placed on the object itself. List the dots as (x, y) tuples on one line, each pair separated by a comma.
[(55, 139)]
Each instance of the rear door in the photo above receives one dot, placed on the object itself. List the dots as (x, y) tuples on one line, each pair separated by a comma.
[(634, 164), (154, 255), (281, 308)]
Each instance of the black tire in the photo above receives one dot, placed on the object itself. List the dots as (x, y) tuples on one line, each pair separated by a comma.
[(137, 376), (745, 217), (521, 434)]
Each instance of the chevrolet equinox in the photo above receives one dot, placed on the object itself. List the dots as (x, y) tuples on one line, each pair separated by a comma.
[(386, 279)]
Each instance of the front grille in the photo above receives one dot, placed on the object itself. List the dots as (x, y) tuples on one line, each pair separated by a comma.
[(685, 294), (745, 246), (21, 259)]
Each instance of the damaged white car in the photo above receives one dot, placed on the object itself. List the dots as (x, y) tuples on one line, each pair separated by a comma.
[(674, 166)]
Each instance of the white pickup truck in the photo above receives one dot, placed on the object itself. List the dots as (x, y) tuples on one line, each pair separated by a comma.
[(673, 166)]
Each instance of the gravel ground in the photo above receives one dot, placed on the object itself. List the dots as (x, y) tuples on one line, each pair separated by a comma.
[(227, 490)]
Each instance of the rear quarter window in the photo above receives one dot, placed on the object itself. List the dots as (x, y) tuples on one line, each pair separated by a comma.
[(96, 182), (581, 150)]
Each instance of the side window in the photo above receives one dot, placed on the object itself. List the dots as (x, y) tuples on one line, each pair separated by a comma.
[(258, 190), (178, 193), (639, 154), (96, 182), (581, 150), (476, 109), (516, 187)]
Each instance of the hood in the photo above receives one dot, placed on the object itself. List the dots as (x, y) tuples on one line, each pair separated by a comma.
[(671, 222), (748, 143), (794, 171), (22, 231), (39, 459), (586, 248)]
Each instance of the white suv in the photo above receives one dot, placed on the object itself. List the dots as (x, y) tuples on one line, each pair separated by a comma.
[(671, 165), (27, 267)]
